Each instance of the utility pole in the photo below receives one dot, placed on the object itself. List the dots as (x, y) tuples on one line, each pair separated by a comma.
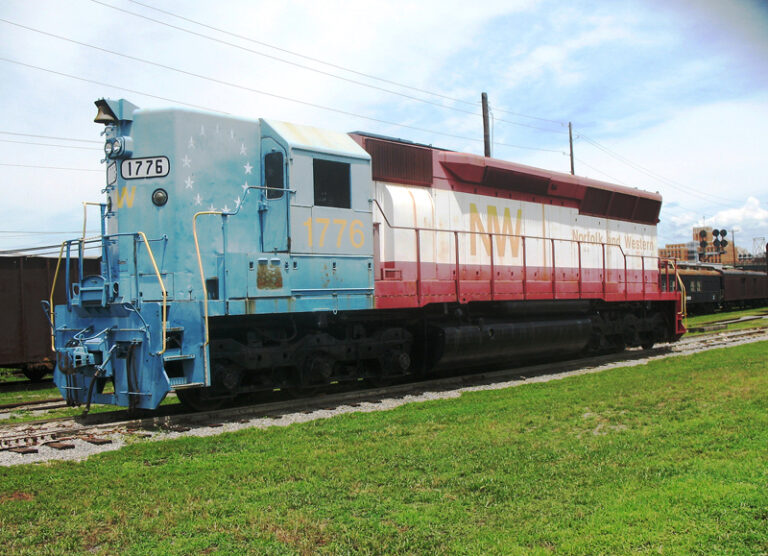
[(486, 130), (570, 142)]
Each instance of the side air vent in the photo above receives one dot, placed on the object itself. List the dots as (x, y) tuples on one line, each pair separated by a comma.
[(399, 163), (621, 206)]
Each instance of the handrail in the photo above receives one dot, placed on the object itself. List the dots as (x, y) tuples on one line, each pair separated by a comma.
[(552, 241), (88, 240), (50, 299), (442, 230), (683, 298), (86, 204), (162, 286), (206, 363)]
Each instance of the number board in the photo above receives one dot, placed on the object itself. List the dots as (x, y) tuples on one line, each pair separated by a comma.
[(151, 167)]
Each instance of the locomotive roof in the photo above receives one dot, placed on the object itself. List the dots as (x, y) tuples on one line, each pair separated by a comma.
[(308, 138), (410, 163)]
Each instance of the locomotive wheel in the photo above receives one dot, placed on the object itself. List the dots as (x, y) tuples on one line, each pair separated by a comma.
[(35, 374), (196, 400), (315, 373)]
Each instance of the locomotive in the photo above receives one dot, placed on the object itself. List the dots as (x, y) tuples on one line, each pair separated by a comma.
[(246, 255)]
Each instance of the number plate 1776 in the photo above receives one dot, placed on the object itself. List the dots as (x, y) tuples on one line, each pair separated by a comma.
[(153, 167)]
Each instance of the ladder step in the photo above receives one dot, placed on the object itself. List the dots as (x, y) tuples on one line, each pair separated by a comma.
[(188, 385), (177, 381), (174, 329), (178, 356)]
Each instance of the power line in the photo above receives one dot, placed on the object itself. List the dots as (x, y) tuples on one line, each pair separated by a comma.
[(48, 145), (42, 232), (282, 60), (617, 180), (305, 103), (330, 64), (189, 73), (304, 56), (558, 131), (676, 185), (49, 167), (531, 117), (102, 84), (50, 249), (50, 137)]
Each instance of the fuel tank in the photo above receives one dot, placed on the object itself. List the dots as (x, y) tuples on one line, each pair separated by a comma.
[(487, 342)]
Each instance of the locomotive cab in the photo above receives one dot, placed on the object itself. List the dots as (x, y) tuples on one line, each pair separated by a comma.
[(207, 219)]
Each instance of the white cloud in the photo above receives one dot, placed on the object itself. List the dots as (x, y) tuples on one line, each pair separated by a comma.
[(743, 223)]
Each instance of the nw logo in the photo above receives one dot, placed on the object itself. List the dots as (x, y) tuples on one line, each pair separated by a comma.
[(126, 197), (507, 235)]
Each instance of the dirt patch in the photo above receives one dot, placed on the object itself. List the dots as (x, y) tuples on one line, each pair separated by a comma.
[(18, 495)]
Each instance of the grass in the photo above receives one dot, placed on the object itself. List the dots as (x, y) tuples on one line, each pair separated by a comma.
[(713, 318), (666, 457), (29, 395)]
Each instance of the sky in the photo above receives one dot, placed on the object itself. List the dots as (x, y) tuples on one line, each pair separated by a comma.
[(663, 95)]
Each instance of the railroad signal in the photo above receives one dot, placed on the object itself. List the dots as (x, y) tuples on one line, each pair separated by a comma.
[(719, 243)]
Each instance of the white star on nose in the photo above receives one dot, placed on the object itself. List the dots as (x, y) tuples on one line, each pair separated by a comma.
[(242, 149), (245, 186), (185, 161), (189, 181), (248, 167), (198, 199)]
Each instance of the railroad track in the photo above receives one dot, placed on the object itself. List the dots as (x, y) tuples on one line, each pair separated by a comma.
[(26, 386), (98, 428), (48, 403)]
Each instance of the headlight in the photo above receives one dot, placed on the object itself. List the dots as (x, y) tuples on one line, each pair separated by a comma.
[(117, 147), (159, 197), (108, 148)]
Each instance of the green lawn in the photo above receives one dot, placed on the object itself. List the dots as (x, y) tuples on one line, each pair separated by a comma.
[(703, 320), (669, 457)]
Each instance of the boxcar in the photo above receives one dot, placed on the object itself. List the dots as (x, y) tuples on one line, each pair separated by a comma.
[(24, 282)]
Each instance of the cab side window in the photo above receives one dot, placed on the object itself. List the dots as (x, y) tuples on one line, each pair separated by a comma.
[(273, 174), (331, 183)]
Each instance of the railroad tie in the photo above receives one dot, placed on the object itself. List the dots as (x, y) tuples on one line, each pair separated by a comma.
[(97, 441), (24, 450), (60, 445)]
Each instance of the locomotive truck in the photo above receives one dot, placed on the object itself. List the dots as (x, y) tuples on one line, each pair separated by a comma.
[(244, 255)]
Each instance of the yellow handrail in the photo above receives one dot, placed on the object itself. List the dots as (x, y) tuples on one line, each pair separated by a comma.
[(206, 365), (160, 281), (85, 213), (50, 299), (683, 298), (157, 273)]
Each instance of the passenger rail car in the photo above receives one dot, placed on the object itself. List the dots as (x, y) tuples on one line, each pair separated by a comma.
[(243, 255), (710, 288)]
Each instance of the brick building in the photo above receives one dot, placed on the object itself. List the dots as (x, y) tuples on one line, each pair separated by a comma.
[(692, 251)]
